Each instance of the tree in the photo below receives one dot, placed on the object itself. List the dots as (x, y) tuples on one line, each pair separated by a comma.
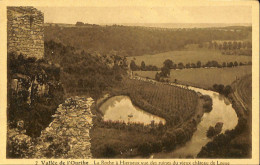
[(227, 90), (229, 45), (210, 132), (145, 148), (230, 64), (142, 65), (215, 44), (157, 76), (180, 65), (193, 65), (174, 66), (225, 46), (188, 65), (220, 88), (239, 45), (168, 63), (133, 66), (79, 24), (220, 46), (235, 63), (235, 45), (198, 64), (109, 151), (165, 72)]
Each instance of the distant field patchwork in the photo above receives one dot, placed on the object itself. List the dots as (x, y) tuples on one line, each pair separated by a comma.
[(189, 56), (202, 77)]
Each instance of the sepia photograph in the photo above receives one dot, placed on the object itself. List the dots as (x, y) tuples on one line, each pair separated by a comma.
[(130, 82)]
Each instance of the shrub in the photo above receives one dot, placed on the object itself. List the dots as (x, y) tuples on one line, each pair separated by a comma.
[(211, 132), (109, 151)]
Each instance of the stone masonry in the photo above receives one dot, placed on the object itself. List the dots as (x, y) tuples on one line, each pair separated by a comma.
[(25, 31), (71, 125)]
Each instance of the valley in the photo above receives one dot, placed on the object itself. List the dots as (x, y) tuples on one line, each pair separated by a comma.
[(129, 91)]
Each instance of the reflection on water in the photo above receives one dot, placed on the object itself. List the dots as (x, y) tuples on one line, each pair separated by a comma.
[(120, 108), (222, 111)]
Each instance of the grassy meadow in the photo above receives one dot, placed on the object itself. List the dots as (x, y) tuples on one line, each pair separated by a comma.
[(202, 77), (188, 56)]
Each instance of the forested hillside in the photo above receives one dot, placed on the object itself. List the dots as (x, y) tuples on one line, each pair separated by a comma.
[(83, 72), (133, 41)]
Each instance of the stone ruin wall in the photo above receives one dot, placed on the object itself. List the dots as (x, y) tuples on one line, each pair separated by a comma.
[(25, 31), (71, 124)]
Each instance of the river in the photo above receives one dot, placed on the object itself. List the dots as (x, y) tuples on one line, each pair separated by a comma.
[(222, 111), (120, 108)]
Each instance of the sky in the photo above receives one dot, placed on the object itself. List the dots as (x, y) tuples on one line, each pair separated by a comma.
[(121, 15)]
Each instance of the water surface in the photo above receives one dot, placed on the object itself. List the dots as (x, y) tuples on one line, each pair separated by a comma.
[(222, 111), (120, 108)]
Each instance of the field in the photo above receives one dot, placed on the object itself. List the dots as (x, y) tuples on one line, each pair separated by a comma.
[(170, 102), (188, 56), (202, 77), (242, 95), (244, 91)]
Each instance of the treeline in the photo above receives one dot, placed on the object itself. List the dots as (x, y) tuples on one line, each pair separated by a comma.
[(152, 128), (84, 72), (169, 64), (232, 47), (133, 41), (143, 67), (220, 88)]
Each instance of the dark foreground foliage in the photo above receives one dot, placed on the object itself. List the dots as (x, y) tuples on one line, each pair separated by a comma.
[(34, 92), (226, 145)]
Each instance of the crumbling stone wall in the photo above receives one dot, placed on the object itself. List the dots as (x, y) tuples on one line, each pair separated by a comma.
[(68, 134), (25, 31)]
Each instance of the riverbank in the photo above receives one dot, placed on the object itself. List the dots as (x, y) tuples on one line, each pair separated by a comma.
[(236, 143), (168, 138), (222, 112)]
